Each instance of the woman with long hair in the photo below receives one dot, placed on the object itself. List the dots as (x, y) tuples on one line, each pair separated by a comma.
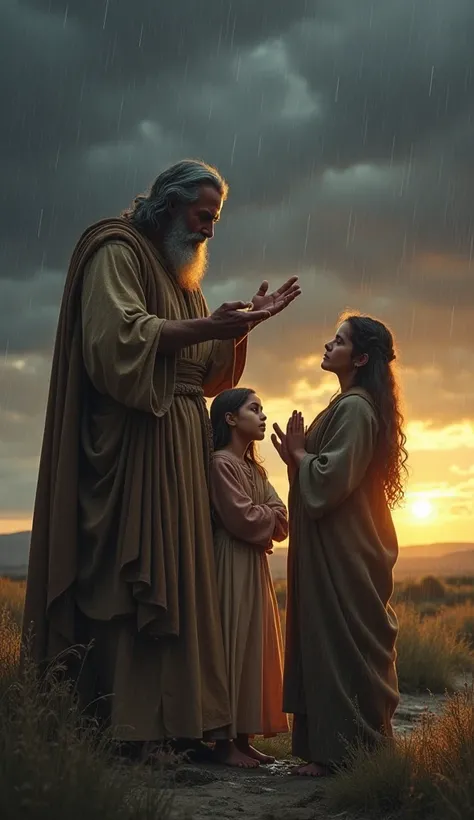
[(346, 473), (248, 517)]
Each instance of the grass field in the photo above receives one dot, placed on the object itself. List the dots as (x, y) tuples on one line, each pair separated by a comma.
[(426, 774), (54, 763)]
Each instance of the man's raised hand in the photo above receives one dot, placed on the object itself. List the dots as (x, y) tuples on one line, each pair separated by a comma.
[(234, 319), (278, 300)]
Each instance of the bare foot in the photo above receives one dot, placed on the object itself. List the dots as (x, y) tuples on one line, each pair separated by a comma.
[(311, 770), (228, 754), (250, 751)]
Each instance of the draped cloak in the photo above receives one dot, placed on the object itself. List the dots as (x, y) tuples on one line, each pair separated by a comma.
[(122, 537), (340, 680)]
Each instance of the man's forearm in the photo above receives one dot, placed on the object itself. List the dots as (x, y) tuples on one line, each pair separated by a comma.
[(176, 334)]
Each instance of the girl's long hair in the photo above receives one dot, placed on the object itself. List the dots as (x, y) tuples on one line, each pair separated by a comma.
[(230, 401), (378, 378)]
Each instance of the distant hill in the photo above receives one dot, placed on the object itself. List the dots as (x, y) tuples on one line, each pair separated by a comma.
[(435, 550), (427, 559), (452, 563), (441, 559), (14, 550)]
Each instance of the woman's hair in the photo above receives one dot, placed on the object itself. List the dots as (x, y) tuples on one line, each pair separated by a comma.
[(230, 401), (377, 377)]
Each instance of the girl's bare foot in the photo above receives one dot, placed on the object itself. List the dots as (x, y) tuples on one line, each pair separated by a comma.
[(311, 770), (244, 746), (227, 753)]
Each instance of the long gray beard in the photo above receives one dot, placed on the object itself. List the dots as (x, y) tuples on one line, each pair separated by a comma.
[(186, 253)]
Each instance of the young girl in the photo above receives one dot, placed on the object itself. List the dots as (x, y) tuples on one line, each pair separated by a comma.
[(248, 516), (346, 473)]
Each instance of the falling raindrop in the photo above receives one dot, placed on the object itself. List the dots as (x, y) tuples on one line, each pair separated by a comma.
[(371, 16), (308, 223), (233, 150), (58, 154), (349, 227), (392, 151), (106, 11), (119, 118), (237, 68), (431, 80)]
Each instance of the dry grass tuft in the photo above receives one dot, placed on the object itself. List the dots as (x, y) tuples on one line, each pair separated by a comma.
[(431, 653), (427, 774), (54, 761)]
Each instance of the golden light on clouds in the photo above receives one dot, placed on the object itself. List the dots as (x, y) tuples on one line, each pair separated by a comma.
[(435, 265), (422, 435)]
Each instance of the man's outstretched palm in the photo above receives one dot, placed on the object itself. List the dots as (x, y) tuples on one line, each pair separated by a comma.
[(279, 299)]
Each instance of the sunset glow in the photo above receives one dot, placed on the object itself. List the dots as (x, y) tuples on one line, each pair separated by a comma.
[(422, 508), (341, 173)]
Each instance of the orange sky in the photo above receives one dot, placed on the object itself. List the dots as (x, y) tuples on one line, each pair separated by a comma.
[(438, 504), (440, 490)]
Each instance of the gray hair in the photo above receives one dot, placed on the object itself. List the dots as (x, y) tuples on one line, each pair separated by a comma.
[(179, 182)]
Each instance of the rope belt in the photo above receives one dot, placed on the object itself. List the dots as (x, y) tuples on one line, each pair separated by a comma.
[(189, 379)]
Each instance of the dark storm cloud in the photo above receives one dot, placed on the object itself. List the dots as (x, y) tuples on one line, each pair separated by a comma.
[(343, 127), (77, 81), (372, 86), (390, 76)]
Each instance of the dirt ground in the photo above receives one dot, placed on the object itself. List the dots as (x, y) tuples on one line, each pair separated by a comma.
[(266, 793), (269, 792)]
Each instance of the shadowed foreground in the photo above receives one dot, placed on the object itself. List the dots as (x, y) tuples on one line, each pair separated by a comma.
[(54, 763)]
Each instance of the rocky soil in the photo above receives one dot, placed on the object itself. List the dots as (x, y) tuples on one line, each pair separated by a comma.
[(269, 792)]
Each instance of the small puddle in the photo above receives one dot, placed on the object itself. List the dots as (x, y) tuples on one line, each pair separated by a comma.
[(413, 707)]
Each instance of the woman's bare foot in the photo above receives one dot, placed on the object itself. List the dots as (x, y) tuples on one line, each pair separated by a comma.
[(311, 770), (227, 753)]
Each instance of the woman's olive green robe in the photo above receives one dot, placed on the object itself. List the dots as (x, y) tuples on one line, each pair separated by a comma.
[(340, 680)]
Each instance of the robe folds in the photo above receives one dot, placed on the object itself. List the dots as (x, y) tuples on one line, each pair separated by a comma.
[(249, 515), (340, 680), (121, 547)]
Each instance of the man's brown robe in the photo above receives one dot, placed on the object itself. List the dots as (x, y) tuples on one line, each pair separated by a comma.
[(121, 547), (340, 680)]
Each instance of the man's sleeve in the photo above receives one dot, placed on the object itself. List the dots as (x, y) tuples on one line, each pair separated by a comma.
[(120, 337)]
